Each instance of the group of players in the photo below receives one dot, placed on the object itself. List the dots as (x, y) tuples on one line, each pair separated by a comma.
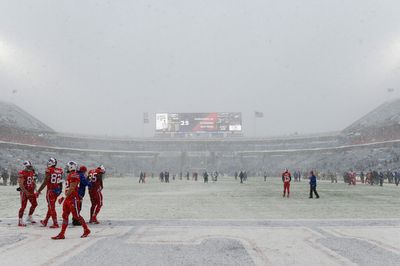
[(77, 179), (287, 178)]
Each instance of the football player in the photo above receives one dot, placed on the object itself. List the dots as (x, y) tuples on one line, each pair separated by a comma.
[(96, 196), (84, 182), (26, 180), (53, 181), (70, 204), (286, 179)]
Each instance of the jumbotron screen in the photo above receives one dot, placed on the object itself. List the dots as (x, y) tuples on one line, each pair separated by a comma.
[(198, 122)]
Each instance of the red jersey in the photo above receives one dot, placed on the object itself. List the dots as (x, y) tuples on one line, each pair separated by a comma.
[(54, 177), (96, 180), (286, 177), (72, 178), (28, 179)]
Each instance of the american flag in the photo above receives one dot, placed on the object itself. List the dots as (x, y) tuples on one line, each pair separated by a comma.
[(258, 114)]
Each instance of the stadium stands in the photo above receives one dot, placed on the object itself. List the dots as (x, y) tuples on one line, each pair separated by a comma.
[(381, 124), (371, 142)]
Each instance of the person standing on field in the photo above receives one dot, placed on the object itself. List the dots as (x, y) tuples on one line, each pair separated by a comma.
[(286, 179), (53, 182), (96, 177), (27, 186), (205, 177), (241, 176), (70, 205), (5, 176), (397, 177), (313, 185), (84, 182)]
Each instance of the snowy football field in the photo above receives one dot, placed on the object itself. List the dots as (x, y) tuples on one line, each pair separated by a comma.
[(222, 223)]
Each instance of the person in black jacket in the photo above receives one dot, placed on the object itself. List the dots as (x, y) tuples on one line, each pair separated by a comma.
[(162, 177), (205, 177), (397, 177), (241, 176)]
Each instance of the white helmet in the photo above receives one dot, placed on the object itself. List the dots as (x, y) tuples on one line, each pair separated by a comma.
[(71, 166), (102, 169), (51, 162), (28, 165)]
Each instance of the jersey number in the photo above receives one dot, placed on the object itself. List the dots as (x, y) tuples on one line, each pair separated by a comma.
[(93, 177), (55, 178), (29, 180)]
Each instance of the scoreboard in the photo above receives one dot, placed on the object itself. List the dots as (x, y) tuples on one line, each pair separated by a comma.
[(198, 122)]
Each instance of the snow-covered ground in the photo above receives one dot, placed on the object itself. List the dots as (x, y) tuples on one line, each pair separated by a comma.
[(222, 223)]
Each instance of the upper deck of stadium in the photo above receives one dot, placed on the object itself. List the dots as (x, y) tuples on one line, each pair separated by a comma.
[(381, 124)]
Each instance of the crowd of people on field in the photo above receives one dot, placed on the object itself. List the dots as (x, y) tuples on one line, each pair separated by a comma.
[(8, 176), (372, 177), (164, 176), (351, 177)]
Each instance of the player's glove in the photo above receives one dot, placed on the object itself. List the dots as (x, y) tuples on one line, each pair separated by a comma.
[(60, 200), (18, 189)]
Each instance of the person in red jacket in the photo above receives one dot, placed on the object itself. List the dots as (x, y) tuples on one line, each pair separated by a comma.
[(286, 179), (26, 180), (52, 181), (95, 192), (71, 201)]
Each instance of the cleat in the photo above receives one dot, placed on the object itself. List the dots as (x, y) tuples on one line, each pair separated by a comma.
[(21, 223), (44, 224), (58, 237), (94, 220), (86, 232), (54, 226), (30, 219)]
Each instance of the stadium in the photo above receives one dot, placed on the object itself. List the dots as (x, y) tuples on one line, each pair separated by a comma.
[(372, 142), (221, 223), (199, 133)]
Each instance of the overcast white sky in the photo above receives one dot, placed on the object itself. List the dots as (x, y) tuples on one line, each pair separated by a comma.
[(94, 67)]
